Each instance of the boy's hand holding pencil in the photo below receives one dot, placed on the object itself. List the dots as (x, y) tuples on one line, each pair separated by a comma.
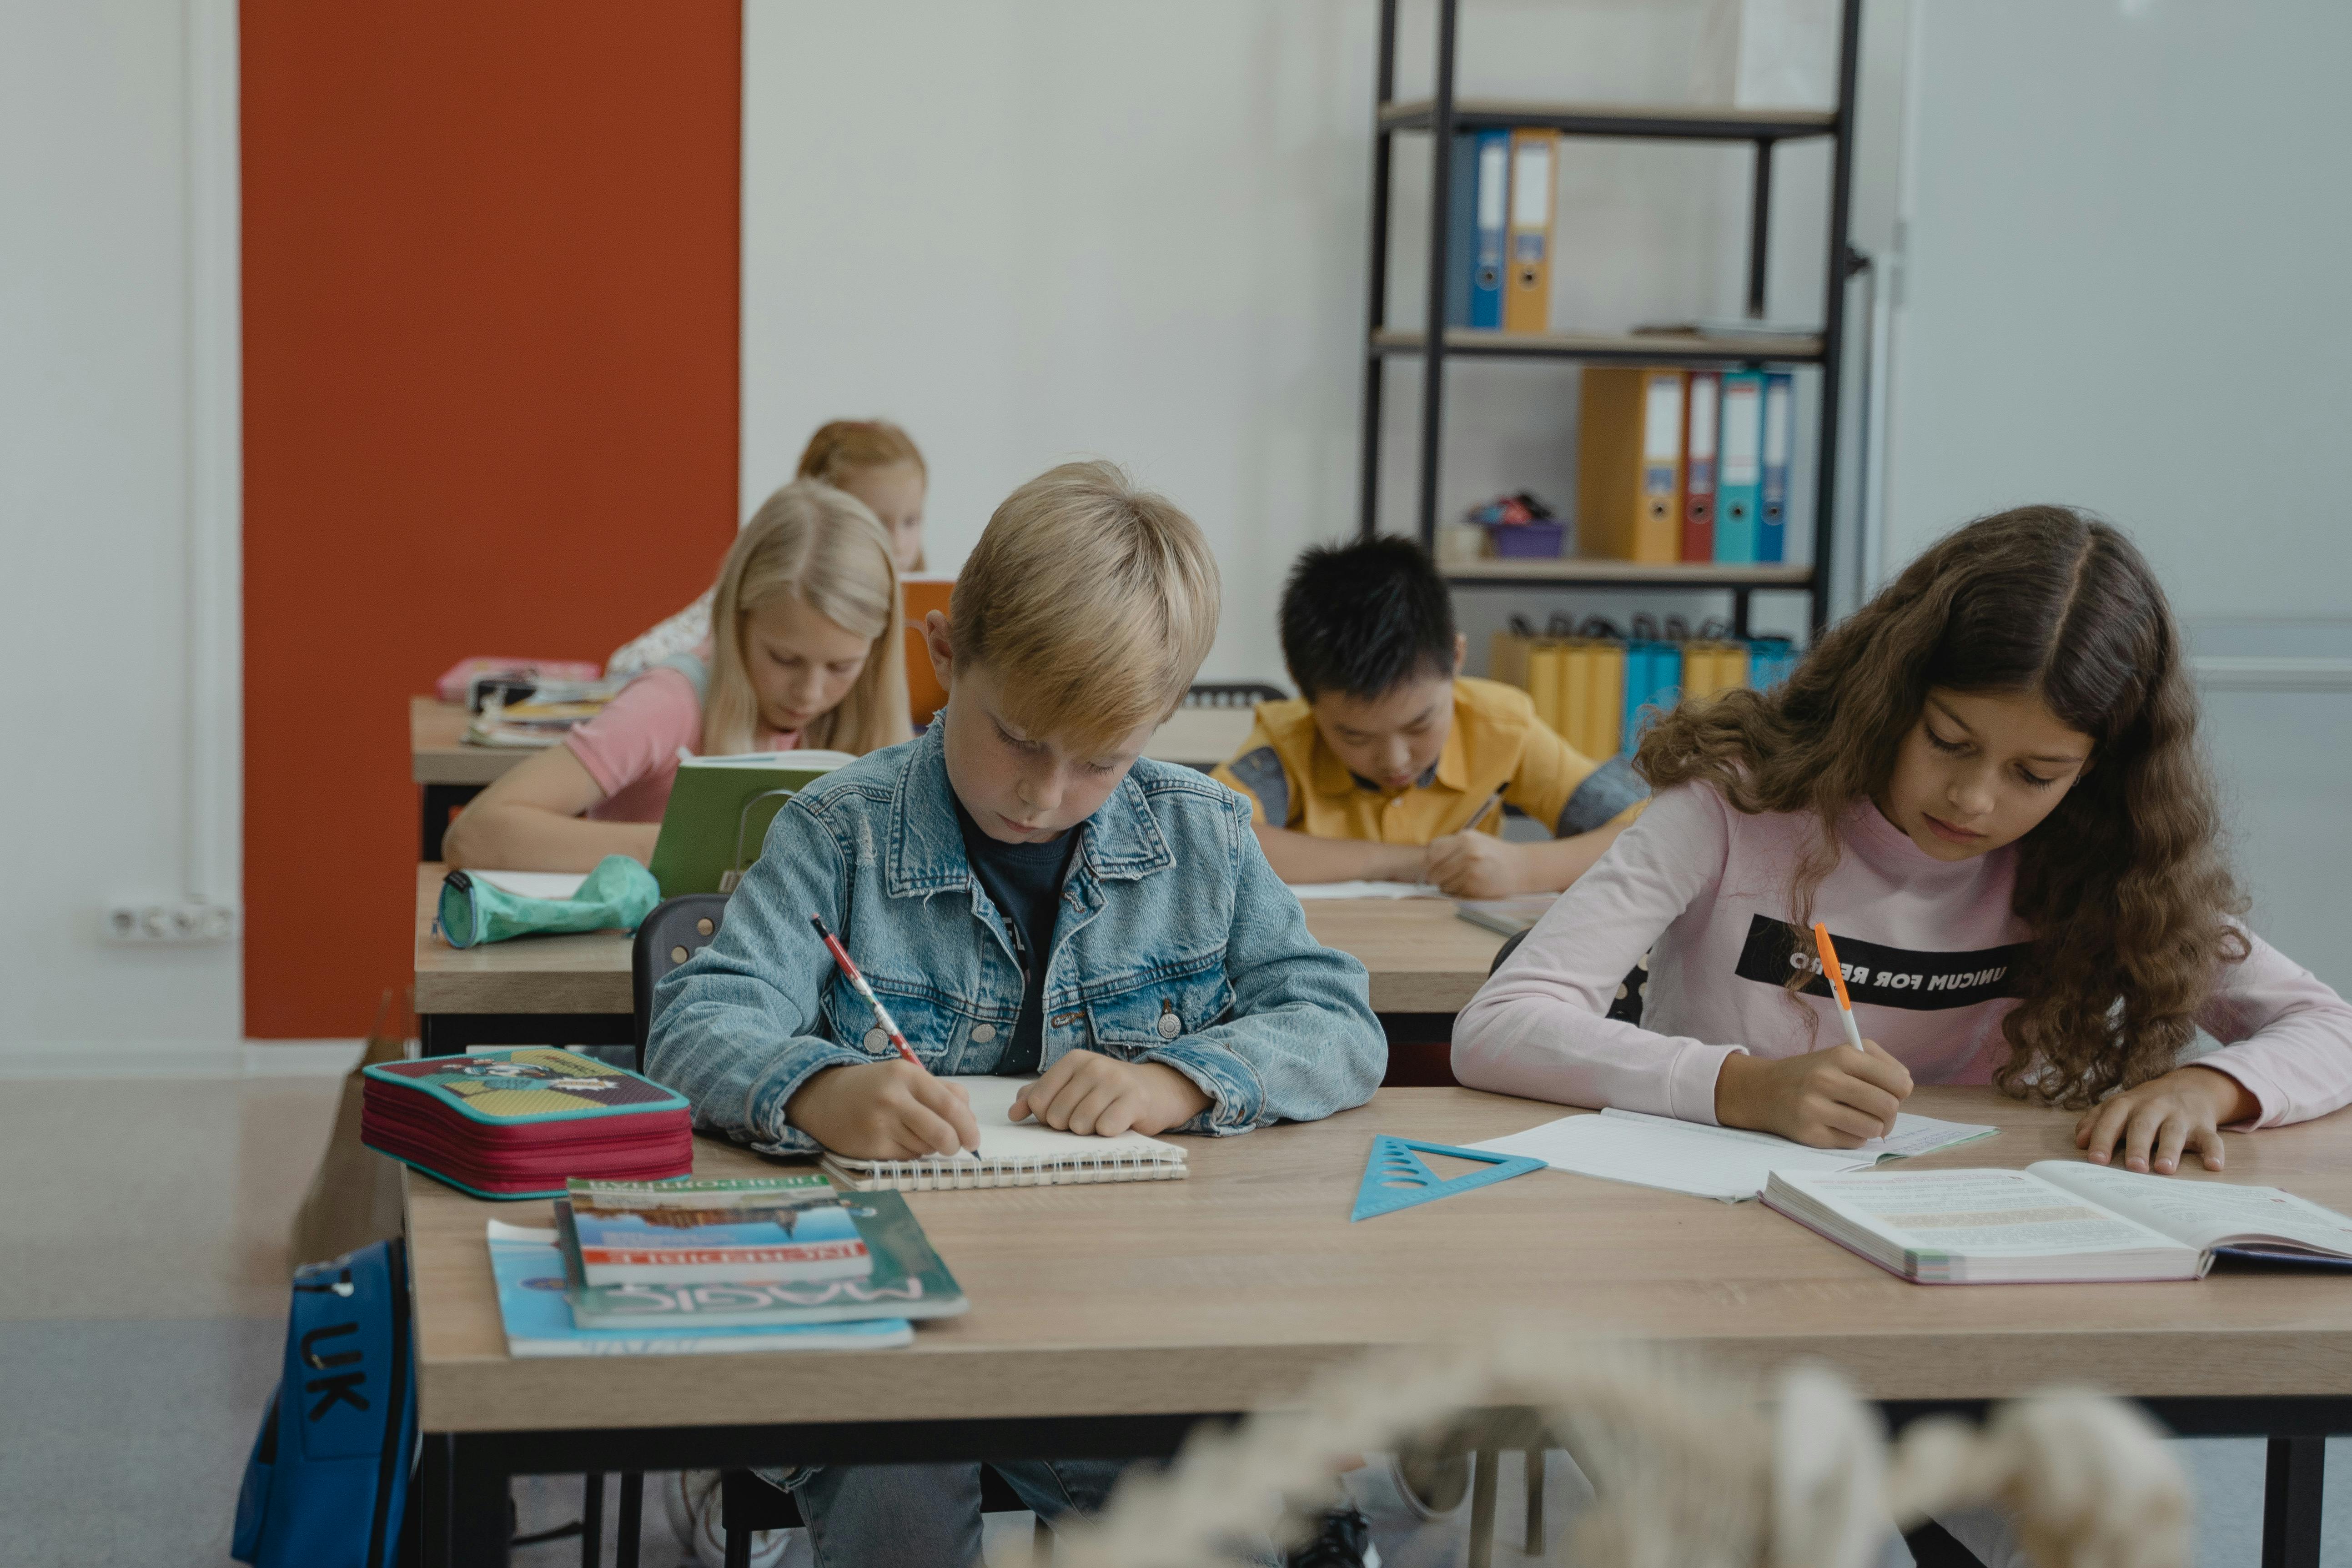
[(881, 1111), (1826, 1099)]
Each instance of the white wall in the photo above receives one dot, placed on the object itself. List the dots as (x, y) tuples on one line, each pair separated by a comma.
[(1031, 230), (1034, 229), (2125, 224), (100, 524)]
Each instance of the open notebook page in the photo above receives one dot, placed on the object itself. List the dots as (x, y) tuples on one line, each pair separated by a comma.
[(1913, 1136), (1306, 890), (534, 884), (1001, 1138), (1725, 1163)]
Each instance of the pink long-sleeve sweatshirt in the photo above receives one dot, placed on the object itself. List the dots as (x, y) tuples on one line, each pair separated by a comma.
[(1928, 947)]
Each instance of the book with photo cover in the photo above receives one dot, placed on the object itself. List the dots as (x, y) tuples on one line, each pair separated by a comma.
[(905, 1278)]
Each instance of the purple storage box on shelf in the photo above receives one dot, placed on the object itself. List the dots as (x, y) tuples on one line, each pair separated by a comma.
[(1527, 541)]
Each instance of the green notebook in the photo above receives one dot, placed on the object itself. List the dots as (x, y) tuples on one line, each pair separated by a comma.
[(718, 813)]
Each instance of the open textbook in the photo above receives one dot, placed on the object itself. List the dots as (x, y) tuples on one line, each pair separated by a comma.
[(1727, 1163), (2056, 1220)]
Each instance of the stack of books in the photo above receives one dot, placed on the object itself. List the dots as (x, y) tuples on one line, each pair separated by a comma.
[(514, 1123), (715, 1267)]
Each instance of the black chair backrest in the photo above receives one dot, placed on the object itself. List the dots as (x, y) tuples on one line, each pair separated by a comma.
[(1625, 1009), (677, 930)]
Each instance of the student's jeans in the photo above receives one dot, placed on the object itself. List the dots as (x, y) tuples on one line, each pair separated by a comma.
[(927, 1516)]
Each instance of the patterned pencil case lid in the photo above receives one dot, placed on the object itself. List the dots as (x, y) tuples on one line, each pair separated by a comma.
[(526, 1083)]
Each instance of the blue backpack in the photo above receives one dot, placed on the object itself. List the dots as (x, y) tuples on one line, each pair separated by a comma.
[(328, 1480)]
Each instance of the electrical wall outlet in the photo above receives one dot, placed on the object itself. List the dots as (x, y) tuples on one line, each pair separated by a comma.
[(181, 922)]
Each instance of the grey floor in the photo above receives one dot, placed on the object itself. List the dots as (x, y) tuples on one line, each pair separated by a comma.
[(143, 1290)]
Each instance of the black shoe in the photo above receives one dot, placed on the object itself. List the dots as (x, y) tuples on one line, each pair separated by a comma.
[(1344, 1539)]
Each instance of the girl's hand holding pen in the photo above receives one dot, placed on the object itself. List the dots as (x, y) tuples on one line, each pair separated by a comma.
[(1831, 1098)]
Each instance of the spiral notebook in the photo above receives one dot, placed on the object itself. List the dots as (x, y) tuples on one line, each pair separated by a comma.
[(1015, 1154)]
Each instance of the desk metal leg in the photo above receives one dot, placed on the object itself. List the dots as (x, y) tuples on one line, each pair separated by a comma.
[(1482, 1477), (1535, 1479), (2291, 1502), (427, 1527), (592, 1521), (630, 1521), (481, 1508)]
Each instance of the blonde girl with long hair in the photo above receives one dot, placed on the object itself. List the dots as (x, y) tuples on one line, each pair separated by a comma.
[(874, 461), (808, 650)]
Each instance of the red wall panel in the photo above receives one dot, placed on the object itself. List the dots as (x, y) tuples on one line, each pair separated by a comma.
[(490, 407)]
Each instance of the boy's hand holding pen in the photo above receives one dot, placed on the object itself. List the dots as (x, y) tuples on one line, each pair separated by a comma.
[(1468, 864), (882, 1111), (1827, 1099)]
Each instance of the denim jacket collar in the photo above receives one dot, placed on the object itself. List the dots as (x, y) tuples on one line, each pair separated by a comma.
[(1122, 840)]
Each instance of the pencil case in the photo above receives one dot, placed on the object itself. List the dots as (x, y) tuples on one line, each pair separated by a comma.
[(618, 895), (519, 1122)]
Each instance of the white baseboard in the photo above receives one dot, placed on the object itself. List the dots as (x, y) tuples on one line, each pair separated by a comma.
[(180, 1059)]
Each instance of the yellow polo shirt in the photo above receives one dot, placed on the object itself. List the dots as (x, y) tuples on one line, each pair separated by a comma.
[(1293, 780)]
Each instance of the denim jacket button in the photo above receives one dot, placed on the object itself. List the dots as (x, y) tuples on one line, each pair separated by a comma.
[(982, 1033), (1171, 1025), (876, 1040)]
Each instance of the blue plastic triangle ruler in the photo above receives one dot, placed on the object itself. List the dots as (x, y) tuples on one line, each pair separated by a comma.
[(1395, 1178)]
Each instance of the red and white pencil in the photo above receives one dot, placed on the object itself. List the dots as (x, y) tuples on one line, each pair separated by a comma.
[(849, 968)]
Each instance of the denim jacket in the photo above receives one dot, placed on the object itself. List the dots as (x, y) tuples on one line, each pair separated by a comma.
[(1176, 943)]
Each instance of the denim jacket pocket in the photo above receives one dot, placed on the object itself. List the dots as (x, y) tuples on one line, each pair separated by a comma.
[(1161, 1011), (940, 1031)]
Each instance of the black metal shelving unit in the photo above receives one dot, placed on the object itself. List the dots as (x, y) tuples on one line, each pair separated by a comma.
[(1443, 115)]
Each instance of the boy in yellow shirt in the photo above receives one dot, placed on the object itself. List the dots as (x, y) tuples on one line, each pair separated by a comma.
[(1388, 765)]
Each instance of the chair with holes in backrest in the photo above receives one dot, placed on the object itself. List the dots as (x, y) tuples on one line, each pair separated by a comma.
[(677, 930), (1625, 1009), (1230, 694)]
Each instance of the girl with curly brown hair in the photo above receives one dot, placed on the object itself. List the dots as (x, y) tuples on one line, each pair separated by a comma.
[(1987, 783)]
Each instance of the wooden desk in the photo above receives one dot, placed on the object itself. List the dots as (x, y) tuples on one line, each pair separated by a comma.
[(1105, 1319), (452, 772), (1425, 964)]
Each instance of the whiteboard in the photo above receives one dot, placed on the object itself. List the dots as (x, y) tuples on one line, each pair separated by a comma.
[(2124, 285)]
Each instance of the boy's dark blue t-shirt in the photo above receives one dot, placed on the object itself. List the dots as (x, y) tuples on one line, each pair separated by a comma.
[(1025, 881)]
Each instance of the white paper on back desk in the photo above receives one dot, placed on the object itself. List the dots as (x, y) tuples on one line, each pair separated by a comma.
[(1727, 1163), (534, 884), (1306, 890)]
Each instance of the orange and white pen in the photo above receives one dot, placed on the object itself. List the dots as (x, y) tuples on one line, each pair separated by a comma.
[(1837, 983)]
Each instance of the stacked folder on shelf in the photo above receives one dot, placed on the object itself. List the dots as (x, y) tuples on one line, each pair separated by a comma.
[(1599, 689), (1684, 466), (1499, 236), (516, 1123)]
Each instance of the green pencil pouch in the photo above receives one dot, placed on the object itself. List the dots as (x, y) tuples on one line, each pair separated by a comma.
[(619, 893)]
